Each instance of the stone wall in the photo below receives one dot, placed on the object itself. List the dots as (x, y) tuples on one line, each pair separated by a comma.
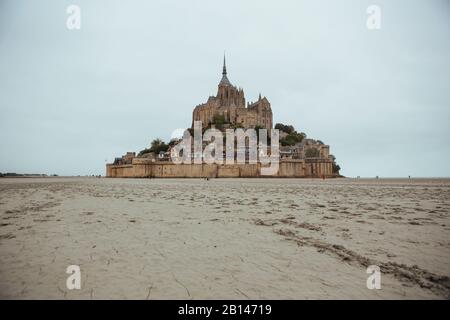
[(145, 168)]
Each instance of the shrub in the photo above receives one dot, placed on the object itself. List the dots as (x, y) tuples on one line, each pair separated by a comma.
[(285, 128), (336, 168), (156, 146)]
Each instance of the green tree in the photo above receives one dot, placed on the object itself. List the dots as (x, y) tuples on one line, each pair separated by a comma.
[(292, 138), (173, 142), (336, 168), (156, 146), (144, 151), (285, 128)]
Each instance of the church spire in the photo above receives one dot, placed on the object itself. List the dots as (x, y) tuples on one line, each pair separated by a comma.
[(224, 72), (224, 81)]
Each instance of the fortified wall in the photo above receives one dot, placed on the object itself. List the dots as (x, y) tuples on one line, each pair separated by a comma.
[(146, 168)]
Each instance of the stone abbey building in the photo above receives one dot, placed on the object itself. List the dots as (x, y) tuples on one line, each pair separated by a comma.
[(229, 103), (230, 109)]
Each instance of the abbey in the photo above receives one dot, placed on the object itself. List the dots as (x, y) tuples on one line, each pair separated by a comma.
[(296, 156), (229, 104)]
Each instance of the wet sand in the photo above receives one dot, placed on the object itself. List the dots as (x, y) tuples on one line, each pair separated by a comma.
[(224, 238)]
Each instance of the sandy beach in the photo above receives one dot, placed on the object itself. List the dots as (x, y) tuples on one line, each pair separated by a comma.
[(224, 238)]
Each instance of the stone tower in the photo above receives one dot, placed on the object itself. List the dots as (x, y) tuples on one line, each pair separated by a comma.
[(227, 94), (229, 102)]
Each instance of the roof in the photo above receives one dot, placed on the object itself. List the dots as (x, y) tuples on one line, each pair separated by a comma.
[(224, 81)]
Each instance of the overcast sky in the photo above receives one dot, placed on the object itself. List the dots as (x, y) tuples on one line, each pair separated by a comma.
[(70, 100)]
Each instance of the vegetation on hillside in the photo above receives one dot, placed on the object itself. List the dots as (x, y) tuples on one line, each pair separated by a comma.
[(336, 168), (156, 146), (292, 137)]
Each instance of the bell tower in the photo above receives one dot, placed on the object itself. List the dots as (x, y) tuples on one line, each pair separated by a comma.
[(227, 94)]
